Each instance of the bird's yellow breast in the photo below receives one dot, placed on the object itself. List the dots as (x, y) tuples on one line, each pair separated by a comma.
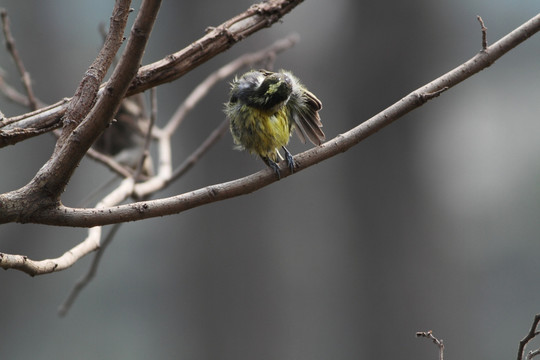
[(261, 132)]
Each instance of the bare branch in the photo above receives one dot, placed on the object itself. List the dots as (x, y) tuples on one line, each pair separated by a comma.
[(59, 169), (44, 189), (25, 76), (533, 332), (13, 136), (200, 151), (85, 280), (148, 138), (77, 144), (61, 215), (107, 211), (533, 353), (438, 342), (14, 95), (175, 65), (43, 117), (66, 260), (85, 95), (109, 162), (484, 32), (217, 40), (165, 176)]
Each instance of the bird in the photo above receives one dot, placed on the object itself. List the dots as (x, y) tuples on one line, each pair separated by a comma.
[(264, 109)]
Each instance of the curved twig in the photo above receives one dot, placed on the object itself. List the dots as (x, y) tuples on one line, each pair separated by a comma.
[(25, 76)]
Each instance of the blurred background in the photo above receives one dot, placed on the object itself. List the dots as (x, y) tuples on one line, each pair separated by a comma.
[(432, 223)]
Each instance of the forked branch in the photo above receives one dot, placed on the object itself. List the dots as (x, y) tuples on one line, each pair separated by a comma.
[(533, 332)]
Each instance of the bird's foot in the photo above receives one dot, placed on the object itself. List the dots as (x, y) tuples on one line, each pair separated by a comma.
[(272, 165), (289, 158)]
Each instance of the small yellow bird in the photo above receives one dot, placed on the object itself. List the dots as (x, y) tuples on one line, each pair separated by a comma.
[(264, 109)]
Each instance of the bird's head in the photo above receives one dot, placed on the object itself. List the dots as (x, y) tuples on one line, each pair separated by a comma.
[(262, 89)]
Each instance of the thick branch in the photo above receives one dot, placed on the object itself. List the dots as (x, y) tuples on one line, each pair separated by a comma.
[(63, 165), (44, 189), (85, 95), (62, 215)]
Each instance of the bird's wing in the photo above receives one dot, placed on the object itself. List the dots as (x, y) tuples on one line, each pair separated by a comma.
[(304, 108)]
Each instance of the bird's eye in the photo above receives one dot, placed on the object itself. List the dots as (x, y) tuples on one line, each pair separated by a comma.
[(233, 99)]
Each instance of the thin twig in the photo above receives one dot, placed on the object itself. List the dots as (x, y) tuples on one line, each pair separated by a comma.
[(200, 151), (83, 281), (25, 76), (438, 342), (15, 96), (533, 353), (484, 33), (533, 332), (148, 136), (85, 96), (90, 197), (109, 161)]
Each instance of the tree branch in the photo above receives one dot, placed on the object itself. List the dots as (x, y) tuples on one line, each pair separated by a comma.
[(106, 212), (175, 65), (533, 353), (107, 104), (224, 72), (200, 151), (66, 216), (484, 32), (438, 342), (533, 332), (148, 136), (217, 40), (44, 189), (25, 76), (85, 95), (164, 176), (109, 162), (83, 281)]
